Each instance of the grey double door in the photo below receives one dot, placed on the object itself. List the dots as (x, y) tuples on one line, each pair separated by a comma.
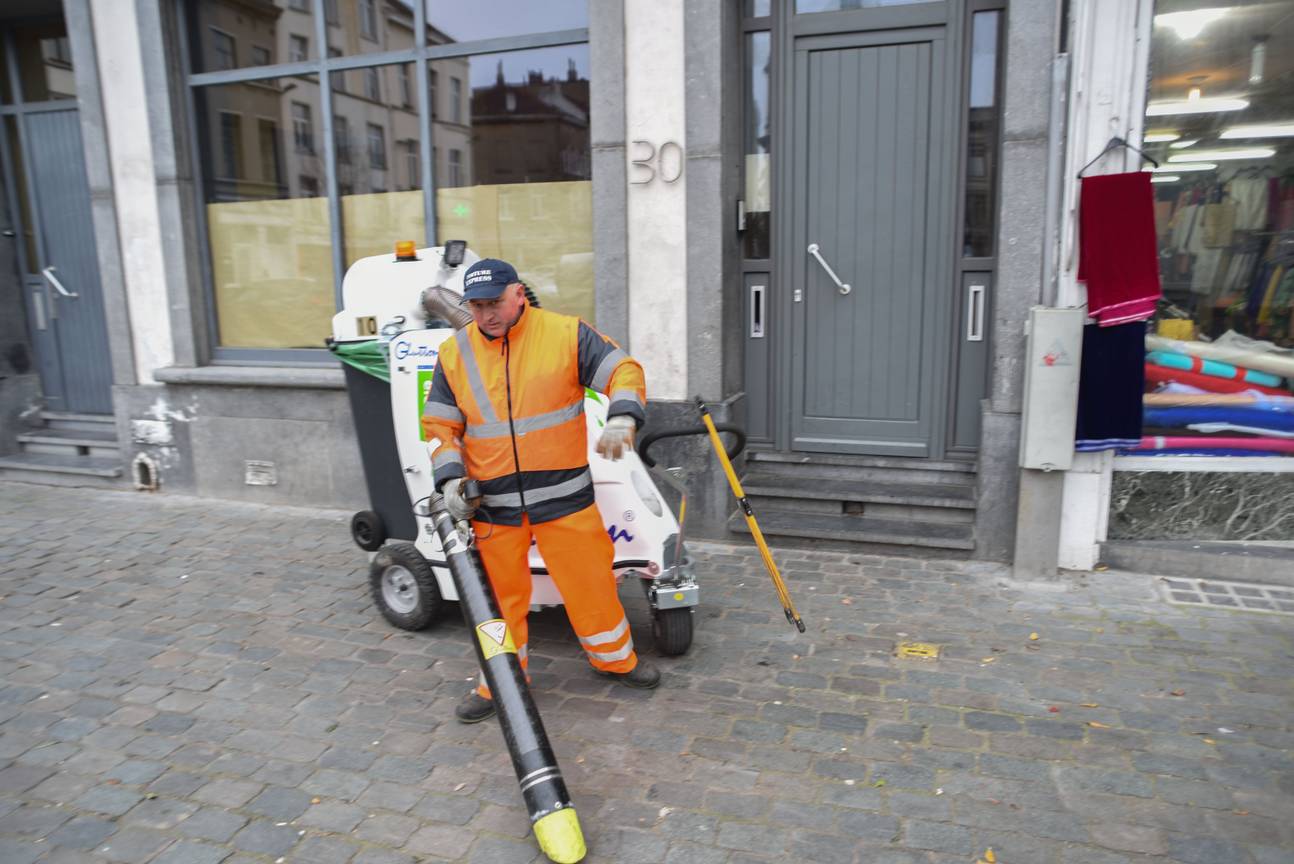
[(868, 245)]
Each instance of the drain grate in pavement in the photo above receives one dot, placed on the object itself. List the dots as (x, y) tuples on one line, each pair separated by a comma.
[(1231, 595)]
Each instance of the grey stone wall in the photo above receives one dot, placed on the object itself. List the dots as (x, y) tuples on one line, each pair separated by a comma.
[(1030, 46), (213, 429)]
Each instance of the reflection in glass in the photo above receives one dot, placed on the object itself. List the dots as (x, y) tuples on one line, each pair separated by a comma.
[(267, 218), (44, 64), (803, 6), (983, 120), (758, 194), (378, 177), (368, 26), (515, 180), (229, 34), (757, 8), (1219, 113), (20, 181), (456, 21)]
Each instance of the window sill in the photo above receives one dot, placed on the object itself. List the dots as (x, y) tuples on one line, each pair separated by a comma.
[(299, 377)]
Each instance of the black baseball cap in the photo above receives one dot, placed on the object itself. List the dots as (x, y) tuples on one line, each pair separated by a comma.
[(486, 279)]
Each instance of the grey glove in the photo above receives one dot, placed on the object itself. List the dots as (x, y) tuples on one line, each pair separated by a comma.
[(460, 509), (617, 437)]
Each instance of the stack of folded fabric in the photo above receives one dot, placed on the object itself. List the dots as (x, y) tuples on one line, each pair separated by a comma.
[(1216, 399)]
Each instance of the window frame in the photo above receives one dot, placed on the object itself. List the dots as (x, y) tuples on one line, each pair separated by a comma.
[(422, 55)]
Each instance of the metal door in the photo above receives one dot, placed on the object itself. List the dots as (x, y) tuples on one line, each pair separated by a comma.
[(869, 241), (67, 300)]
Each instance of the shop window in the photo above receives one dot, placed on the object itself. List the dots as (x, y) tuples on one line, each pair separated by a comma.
[(532, 162), (757, 199), (381, 196), (1220, 121), (273, 229), (271, 266)]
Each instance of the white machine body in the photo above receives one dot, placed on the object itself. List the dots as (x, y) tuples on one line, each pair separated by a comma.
[(383, 295), (639, 522)]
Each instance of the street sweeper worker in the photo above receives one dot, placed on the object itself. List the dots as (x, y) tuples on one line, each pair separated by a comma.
[(507, 408)]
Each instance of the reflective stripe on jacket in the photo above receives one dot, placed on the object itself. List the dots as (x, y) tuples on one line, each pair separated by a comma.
[(509, 412)]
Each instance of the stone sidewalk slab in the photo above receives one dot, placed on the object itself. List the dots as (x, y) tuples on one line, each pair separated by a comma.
[(190, 681)]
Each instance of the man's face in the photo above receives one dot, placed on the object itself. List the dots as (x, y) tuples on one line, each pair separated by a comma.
[(494, 317)]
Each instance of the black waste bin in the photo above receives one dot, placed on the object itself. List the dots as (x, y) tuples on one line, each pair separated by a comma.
[(369, 388)]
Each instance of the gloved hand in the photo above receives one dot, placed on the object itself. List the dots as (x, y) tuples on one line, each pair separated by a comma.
[(460, 509), (617, 437)]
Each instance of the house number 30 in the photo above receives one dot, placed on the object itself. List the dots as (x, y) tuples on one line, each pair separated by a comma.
[(665, 162)]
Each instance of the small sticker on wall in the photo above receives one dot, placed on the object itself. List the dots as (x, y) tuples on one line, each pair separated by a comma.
[(260, 473), (1056, 355)]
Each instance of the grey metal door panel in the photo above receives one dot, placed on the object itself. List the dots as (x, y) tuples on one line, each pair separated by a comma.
[(57, 169), (870, 158)]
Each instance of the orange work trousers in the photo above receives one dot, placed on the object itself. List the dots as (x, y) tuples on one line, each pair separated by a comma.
[(578, 554)]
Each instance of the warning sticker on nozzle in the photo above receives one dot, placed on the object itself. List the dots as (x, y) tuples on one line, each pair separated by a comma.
[(495, 638)]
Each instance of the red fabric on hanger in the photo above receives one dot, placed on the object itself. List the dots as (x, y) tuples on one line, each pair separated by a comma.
[(1118, 256)]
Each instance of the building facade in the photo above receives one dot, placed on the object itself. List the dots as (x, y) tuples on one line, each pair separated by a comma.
[(828, 218)]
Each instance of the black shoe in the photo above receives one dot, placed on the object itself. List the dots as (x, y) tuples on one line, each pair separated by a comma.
[(644, 676), (474, 708)]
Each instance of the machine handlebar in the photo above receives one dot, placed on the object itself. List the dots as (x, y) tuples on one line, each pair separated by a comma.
[(652, 437)]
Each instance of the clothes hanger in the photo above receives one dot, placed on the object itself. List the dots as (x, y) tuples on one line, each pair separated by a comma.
[(1116, 141)]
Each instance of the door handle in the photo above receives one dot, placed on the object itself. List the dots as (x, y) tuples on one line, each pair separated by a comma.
[(48, 273), (843, 286), (756, 311), (975, 314)]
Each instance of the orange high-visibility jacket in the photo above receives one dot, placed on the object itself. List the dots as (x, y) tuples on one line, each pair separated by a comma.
[(509, 412)]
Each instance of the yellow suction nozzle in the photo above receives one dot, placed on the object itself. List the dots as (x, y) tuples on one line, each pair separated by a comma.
[(560, 837)]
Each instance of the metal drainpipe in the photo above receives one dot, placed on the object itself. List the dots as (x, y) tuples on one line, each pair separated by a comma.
[(1052, 216)]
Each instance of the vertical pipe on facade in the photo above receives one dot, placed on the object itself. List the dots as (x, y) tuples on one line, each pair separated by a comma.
[(426, 125), (336, 229), (1054, 200)]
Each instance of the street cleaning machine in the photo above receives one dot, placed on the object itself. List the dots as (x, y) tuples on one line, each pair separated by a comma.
[(397, 311)]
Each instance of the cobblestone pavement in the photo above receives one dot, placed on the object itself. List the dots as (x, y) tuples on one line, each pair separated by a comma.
[(192, 682)]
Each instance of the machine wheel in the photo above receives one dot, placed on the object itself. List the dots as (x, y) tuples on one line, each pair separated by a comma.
[(367, 530), (403, 586), (672, 630)]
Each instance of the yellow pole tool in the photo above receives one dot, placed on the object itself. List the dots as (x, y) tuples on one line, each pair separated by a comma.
[(788, 606)]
